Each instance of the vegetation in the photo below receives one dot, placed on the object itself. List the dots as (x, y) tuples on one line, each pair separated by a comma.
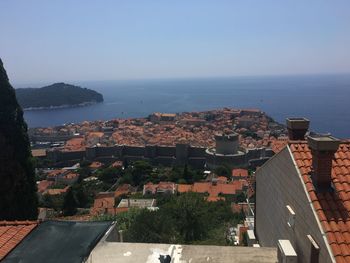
[(17, 188), (55, 95), (69, 204), (141, 172), (187, 219), (224, 170)]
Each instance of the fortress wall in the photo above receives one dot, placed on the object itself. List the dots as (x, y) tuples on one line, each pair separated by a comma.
[(134, 151), (196, 162), (166, 151), (196, 152), (164, 160), (255, 153), (232, 160), (56, 138), (66, 156), (182, 153), (150, 151), (105, 151)]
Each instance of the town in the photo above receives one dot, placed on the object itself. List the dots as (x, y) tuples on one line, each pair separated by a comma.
[(104, 170), (174, 131)]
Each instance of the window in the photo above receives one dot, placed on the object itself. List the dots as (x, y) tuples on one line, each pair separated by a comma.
[(314, 249), (291, 217)]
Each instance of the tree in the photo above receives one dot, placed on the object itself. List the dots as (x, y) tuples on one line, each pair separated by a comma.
[(223, 170), (69, 203), (110, 175), (139, 172), (18, 188), (152, 227)]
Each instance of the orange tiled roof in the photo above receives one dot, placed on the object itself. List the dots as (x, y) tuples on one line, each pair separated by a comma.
[(333, 209), (239, 172), (44, 185), (214, 190), (104, 203), (57, 191), (123, 190), (222, 179), (12, 233), (278, 145), (183, 188), (95, 165)]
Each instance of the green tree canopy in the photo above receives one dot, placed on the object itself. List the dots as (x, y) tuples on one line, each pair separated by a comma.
[(70, 203), (17, 189)]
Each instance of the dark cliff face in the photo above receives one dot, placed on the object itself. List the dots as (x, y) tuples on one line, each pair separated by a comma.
[(18, 199)]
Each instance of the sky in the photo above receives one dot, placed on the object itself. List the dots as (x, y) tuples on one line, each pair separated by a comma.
[(82, 40)]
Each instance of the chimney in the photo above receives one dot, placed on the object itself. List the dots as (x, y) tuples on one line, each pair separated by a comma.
[(323, 148), (297, 128)]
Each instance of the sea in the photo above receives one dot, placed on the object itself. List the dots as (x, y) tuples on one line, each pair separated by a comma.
[(324, 99)]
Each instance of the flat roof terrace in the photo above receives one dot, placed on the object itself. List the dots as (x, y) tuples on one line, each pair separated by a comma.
[(148, 253)]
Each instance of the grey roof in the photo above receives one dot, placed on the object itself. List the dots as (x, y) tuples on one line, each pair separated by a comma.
[(59, 241)]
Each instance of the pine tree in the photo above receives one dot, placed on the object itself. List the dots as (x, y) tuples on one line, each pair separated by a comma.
[(18, 199), (70, 204)]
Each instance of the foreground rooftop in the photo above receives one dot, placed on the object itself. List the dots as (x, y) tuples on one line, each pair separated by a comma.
[(148, 253)]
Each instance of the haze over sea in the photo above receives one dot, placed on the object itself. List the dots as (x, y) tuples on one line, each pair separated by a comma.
[(324, 99)]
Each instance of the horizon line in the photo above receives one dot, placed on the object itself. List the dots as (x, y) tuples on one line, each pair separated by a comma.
[(28, 84)]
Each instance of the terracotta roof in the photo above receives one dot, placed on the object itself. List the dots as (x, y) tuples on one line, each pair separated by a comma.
[(12, 233), (161, 187), (214, 190), (239, 172), (57, 191), (333, 209), (183, 188), (95, 165), (39, 152), (278, 145), (44, 185), (123, 189), (104, 203), (222, 179)]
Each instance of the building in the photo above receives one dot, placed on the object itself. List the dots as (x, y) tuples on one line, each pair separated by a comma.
[(158, 117), (95, 242), (104, 204), (239, 174), (303, 195), (214, 191), (12, 233), (138, 203), (161, 188), (50, 241), (115, 252), (227, 151)]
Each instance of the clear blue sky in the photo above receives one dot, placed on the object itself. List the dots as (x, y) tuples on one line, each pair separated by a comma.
[(75, 40)]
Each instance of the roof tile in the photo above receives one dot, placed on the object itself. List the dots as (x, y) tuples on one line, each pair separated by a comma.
[(12, 233), (333, 209)]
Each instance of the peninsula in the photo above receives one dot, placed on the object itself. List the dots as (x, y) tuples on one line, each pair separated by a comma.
[(58, 95)]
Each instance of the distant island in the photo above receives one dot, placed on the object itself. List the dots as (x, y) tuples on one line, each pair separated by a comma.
[(58, 95)]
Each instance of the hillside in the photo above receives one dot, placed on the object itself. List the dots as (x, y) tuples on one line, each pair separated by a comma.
[(56, 95)]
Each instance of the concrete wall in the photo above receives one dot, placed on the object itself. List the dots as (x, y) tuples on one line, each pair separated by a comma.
[(278, 184)]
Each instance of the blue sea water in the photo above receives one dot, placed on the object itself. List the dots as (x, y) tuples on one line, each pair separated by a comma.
[(324, 99)]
